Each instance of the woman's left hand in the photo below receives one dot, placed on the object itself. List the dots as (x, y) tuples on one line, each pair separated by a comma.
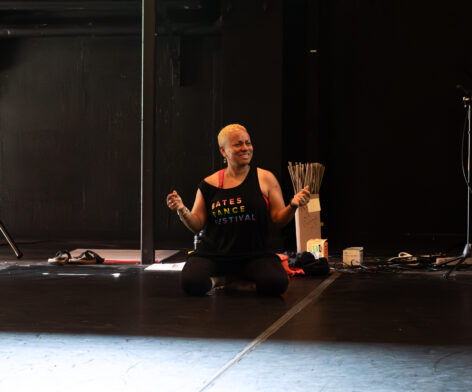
[(301, 198)]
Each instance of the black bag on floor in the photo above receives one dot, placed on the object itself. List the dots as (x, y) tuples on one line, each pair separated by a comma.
[(309, 264)]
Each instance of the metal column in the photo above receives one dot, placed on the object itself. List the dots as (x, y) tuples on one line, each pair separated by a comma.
[(148, 99)]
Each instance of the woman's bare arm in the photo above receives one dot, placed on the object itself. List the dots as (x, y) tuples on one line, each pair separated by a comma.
[(194, 220), (279, 212)]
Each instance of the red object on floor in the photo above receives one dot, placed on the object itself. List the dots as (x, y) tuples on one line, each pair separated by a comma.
[(123, 261), (291, 271)]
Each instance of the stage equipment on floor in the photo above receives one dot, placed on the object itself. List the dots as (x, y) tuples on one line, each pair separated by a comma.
[(10, 241), (467, 251)]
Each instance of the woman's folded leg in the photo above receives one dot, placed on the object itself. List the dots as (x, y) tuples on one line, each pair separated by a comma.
[(196, 275), (268, 274)]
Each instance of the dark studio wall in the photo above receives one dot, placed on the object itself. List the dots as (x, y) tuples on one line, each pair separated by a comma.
[(376, 104), (391, 122), (70, 111), (69, 119)]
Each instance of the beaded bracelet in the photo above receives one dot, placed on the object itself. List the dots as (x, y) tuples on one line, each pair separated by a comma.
[(183, 214)]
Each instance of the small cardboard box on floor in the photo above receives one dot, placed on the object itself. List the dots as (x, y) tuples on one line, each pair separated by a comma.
[(353, 256), (318, 247), (308, 222)]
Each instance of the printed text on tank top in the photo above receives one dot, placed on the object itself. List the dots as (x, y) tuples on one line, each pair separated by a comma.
[(237, 218), (221, 176)]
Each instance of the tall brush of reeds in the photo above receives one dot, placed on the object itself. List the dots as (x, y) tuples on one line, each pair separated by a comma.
[(303, 174)]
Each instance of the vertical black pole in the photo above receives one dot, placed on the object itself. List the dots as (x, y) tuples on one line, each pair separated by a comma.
[(148, 100)]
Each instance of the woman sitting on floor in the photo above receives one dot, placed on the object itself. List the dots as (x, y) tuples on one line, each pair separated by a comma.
[(233, 207)]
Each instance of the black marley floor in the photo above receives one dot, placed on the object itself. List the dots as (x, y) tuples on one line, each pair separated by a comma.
[(121, 328)]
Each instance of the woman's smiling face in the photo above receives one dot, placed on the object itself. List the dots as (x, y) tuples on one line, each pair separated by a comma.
[(238, 148)]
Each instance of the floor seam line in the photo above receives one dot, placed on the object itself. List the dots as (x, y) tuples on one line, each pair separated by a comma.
[(298, 307)]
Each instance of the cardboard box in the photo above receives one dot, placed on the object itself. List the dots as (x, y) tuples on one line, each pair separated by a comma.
[(308, 222), (319, 247), (353, 256)]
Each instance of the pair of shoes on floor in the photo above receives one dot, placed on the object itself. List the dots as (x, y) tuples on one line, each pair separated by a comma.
[(63, 257)]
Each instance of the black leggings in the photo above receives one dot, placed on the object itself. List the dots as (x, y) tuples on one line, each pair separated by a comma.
[(267, 272)]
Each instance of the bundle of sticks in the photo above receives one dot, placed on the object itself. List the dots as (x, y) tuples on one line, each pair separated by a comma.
[(303, 174)]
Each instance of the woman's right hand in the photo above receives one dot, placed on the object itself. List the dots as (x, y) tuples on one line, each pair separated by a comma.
[(174, 201), (301, 198)]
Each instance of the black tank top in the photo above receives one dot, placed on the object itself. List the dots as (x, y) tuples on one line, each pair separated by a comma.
[(237, 220)]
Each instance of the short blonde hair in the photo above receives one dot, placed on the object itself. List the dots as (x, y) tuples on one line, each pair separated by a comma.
[(223, 135)]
